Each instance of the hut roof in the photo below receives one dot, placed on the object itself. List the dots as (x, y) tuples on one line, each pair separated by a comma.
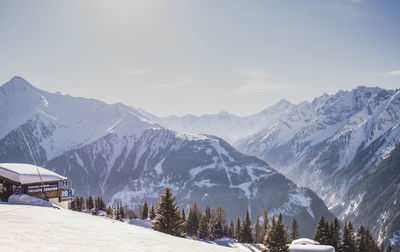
[(27, 173)]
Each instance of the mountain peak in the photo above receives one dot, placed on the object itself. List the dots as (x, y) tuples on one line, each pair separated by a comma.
[(17, 82)]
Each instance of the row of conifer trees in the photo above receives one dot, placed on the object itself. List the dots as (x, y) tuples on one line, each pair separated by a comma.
[(273, 234), (212, 224)]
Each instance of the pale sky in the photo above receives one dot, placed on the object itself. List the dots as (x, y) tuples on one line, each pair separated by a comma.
[(198, 57)]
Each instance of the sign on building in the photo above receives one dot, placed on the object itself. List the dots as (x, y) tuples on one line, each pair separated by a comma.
[(65, 184), (42, 188), (67, 194)]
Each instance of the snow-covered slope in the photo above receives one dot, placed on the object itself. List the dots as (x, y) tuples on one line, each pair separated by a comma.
[(32, 228)]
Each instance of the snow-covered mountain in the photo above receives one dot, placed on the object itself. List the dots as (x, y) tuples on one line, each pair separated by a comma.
[(330, 145), (198, 168), (225, 125), (70, 122), (115, 152)]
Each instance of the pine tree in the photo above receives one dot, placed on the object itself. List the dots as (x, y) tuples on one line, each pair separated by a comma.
[(277, 238), (72, 206), (152, 212), (328, 233), (215, 228), (231, 230), (335, 233), (89, 203), (258, 229), (192, 222), (109, 211), (269, 238), (266, 224), (362, 239), (203, 227), (322, 233), (246, 234), (295, 230), (238, 230), (348, 241), (282, 234), (217, 222), (168, 218), (183, 214), (145, 211)]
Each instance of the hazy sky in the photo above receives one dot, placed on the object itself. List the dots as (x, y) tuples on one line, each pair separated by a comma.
[(178, 57)]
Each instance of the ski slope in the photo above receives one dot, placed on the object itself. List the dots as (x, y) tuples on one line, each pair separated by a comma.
[(33, 228)]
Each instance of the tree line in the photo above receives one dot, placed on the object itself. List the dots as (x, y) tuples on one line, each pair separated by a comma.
[(212, 224), (273, 234)]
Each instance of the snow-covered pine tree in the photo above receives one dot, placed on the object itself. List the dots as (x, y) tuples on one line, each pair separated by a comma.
[(246, 234), (145, 211), (295, 230), (168, 217)]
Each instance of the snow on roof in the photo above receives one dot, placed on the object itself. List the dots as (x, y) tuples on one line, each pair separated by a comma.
[(311, 248), (27, 173), (304, 241)]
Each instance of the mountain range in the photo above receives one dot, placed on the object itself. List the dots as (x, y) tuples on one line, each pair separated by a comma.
[(124, 155), (342, 146)]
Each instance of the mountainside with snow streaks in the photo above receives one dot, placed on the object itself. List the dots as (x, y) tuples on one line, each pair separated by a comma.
[(329, 145), (115, 152)]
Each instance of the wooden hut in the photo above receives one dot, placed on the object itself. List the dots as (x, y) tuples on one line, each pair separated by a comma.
[(35, 181)]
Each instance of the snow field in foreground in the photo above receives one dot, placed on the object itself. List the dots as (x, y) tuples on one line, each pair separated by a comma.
[(32, 228)]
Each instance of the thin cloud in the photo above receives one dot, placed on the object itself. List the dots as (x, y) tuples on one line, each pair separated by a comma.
[(258, 82), (392, 73), (356, 1)]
